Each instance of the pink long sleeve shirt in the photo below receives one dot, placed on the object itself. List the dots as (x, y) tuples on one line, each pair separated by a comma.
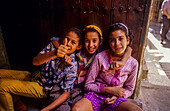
[(100, 75)]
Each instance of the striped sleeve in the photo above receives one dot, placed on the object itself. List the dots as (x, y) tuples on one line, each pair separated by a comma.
[(131, 80), (93, 72)]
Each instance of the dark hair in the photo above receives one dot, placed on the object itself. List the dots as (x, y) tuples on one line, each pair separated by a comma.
[(91, 29), (85, 31), (120, 26), (77, 31)]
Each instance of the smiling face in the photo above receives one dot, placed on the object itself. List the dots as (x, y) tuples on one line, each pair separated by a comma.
[(118, 42), (91, 42), (73, 42)]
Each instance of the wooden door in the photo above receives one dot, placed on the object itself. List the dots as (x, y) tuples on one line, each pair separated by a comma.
[(39, 20), (134, 13), (79, 13)]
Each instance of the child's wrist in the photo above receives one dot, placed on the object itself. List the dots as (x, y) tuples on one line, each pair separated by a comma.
[(123, 61), (55, 52)]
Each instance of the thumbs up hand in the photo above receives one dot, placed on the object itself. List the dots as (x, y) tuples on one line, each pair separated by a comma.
[(67, 59), (62, 49)]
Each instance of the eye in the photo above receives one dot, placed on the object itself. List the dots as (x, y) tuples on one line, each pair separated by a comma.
[(121, 38), (86, 40), (112, 40), (73, 42), (94, 40)]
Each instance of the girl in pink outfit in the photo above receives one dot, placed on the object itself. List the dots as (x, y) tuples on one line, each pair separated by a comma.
[(108, 88)]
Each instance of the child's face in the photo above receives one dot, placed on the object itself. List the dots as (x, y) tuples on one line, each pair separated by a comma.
[(118, 42), (91, 42), (73, 42)]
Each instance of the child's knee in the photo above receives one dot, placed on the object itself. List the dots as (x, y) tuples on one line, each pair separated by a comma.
[(2, 85), (76, 108), (129, 106), (135, 108), (83, 105)]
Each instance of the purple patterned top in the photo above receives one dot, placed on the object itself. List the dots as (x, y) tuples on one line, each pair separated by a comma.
[(100, 75)]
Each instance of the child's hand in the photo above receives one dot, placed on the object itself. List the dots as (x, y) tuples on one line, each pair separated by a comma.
[(62, 49), (168, 17), (110, 100), (117, 91), (117, 65), (67, 59)]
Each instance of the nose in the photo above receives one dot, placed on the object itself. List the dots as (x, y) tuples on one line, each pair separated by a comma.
[(117, 42), (90, 44), (69, 43)]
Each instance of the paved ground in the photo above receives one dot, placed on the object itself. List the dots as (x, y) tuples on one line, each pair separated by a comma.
[(155, 89)]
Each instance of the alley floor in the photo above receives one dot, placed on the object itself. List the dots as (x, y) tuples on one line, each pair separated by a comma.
[(155, 89)]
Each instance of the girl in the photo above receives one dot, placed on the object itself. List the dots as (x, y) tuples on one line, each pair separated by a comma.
[(107, 87)]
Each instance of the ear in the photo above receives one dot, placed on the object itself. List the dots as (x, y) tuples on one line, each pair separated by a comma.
[(79, 47), (101, 40), (128, 40)]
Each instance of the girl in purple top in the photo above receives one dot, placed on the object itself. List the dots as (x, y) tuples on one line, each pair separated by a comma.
[(108, 87)]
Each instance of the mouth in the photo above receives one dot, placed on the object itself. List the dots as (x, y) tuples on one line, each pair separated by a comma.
[(118, 48), (91, 49)]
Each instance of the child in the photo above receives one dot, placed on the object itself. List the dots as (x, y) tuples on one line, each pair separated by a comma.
[(54, 75), (107, 87), (92, 40)]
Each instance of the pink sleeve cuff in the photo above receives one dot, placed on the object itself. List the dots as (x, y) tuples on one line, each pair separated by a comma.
[(124, 96), (101, 88)]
